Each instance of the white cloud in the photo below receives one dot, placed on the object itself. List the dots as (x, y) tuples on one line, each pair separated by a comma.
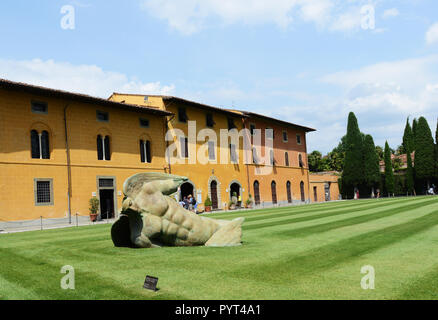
[(191, 16), (390, 13), (432, 34), (87, 79)]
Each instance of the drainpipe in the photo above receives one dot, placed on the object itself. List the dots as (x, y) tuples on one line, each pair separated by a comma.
[(68, 164), (247, 164), (167, 142), (308, 171)]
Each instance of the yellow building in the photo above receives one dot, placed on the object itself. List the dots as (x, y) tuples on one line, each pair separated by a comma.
[(324, 186), (60, 149), (215, 180)]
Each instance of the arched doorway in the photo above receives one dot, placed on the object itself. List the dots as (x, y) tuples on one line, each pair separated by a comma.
[(274, 192), (235, 188), (214, 198), (186, 189), (289, 192), (303, 196), (257, 192)]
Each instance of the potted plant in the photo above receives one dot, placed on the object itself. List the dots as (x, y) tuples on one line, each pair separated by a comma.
[(208, 204), (248, 203), (94, 208)]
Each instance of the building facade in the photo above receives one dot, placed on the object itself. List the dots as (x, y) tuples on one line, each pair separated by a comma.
[(60, 149)]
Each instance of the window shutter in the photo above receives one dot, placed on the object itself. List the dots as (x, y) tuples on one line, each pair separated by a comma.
[(142, 153), (148, 152), (45, 146), (99, 148), (107, 148), (35, 144)]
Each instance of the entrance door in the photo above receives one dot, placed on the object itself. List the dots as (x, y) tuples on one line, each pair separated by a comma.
[(274, 192), (107, 192), (214, 200), (257, 192), (107, 204), (327, 192), (289, 192), (186, 190), (303, 197)]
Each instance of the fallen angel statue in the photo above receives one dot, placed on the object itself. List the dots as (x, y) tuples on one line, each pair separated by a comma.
[(151, 217)]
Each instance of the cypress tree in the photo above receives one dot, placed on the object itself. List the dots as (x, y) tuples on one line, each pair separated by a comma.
[(414, 135), (389, 174), (353, 174), (425, 153), (371, 163), (410, 184), (408, 137)]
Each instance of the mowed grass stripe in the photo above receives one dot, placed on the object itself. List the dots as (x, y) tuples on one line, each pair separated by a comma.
[(422, 288), (286, 213), (370, 206), (306, 231), (343, 251), (294, 208)]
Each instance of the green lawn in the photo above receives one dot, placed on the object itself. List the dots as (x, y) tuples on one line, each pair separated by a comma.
[(305, 252)]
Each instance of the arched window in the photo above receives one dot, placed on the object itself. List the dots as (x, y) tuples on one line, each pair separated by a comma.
[(257, 192), (303, 196), (145, 151), (272, 158), (300, 160), (289, 192), (103, 148), (286, 159), (40, 146), (274, 192), (45, 147)]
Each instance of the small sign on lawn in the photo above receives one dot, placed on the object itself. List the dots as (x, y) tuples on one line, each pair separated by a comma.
[(151, 283)]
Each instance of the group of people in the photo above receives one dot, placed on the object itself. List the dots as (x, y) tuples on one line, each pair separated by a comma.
[(189, 203)]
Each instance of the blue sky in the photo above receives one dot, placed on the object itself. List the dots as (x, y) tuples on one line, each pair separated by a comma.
[(306, 61)]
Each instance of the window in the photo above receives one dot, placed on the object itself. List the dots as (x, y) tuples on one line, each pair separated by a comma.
[(252, 128), (315, 194), (231, 124), (209, 120), (103, 148), (182, 115), (286, 159), (289, 192), (233, 153), (211, 150), (303, 197), (102, 116), (144, 123), (39, 107), (255, 158), (40, 147), (298, 138), (269, 133), (300, 161), (184, 147), (285, 137), (271, 157), (257, 192), (145, 151), (43, 189), (274, 192)]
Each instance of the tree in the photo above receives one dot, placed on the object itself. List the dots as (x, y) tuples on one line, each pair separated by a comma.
[(414, 135), (424, 153), (371, 163), (408, 138), (353, 174), (389, 174), (410, 182), (315, 161), (380, 153)]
